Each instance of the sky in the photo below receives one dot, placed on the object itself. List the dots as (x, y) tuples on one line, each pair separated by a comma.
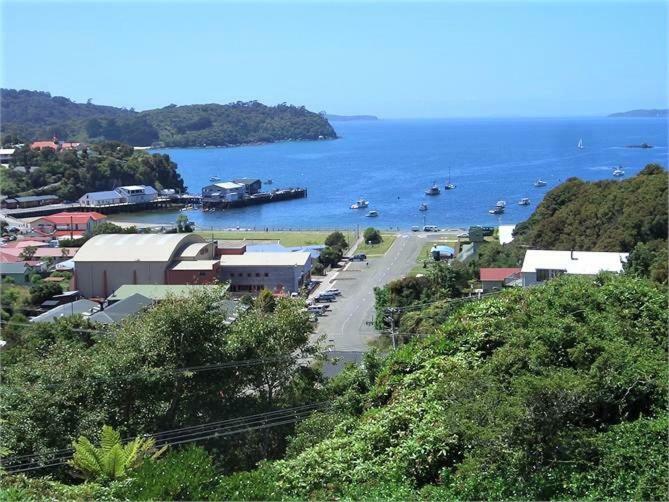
[(392, 59)]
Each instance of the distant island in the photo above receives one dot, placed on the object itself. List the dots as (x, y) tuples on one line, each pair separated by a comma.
[(642, 113), (33, 115), (348, 118)]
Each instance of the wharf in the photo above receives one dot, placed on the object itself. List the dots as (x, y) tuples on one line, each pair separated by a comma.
[(252, 200), (159, 203)]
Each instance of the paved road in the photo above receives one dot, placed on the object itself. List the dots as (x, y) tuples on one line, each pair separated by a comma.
[(345, 326)]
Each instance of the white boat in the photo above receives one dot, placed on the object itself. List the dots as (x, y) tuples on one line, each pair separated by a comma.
[(433, 190), (372, 214), (497, 210), (540, 183), (524, 202), (618, 171), (501, 203), (449, 185), (360, 204), (423, 207), (580, 144), (214, 178)]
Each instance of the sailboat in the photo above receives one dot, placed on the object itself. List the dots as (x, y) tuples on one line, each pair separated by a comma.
[(449, 185), (580, 144), (433, 190)]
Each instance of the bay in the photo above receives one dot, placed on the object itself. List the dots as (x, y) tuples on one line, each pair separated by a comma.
[(392, 162)]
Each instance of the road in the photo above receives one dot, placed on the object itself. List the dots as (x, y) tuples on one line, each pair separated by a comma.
[(345, 326)]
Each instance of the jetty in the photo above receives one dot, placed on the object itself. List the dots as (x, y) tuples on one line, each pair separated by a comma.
[(243, 192)]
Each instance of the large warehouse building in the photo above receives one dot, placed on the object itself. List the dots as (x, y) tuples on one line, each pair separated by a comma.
[(107, 262)]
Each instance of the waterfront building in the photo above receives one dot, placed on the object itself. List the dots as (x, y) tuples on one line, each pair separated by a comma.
[(135, 194), (29, 201), (104, 198), (224, 191), (541, 265), (251, 185)]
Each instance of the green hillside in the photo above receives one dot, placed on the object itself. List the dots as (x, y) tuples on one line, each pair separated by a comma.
[(30, 115)]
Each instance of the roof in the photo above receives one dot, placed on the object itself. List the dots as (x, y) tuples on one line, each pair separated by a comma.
[(227, 244), (104, 195), (161, 291), (74, 217), (122, 309), (32, 198), (443, 249), (584, 262), (193, 250), (26, 243), (497, 274), (67, 310), (246, 181), (228, 185), (13, 268), (146, 188), (43, 144), (40, 252), (289, 259), (7, 151), (134, 247), (195, 265)]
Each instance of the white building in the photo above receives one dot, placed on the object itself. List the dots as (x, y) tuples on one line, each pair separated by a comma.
[(6, 155), (224, 190), (540, 265), (277, 272), (106, 198), (138, 193)]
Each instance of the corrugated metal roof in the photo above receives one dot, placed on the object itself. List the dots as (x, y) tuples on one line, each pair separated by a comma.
[(162, 291), (497, 274), (582, 263), (134, 247), (193, 250), (69, 309)]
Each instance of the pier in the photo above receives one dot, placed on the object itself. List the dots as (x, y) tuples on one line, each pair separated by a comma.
[(213, 203)]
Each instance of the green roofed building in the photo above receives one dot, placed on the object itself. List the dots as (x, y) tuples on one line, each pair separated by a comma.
[(157, 292)]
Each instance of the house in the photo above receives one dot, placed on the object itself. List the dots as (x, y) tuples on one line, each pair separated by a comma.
[(18, 272), (6, 155), (159, 292), (30, 201), (137, 194), (496, 278), (541, 265), (277, 272), (104, 198), (223, 191), (251, 185), (107, 262), (56, 145), (75, 308), (68, 225)]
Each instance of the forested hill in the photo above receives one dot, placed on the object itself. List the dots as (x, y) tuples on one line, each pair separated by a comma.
[(30, 115)]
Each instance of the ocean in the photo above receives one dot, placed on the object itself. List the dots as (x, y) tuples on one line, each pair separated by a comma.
[(392, 162)]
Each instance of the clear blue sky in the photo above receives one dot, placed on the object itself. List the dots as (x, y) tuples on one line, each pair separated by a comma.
[(393, 59)]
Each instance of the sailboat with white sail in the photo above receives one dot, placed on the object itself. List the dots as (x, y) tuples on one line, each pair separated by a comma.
[(580, 144), (449, 185)]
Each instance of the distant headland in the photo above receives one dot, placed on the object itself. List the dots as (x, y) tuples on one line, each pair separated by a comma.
[(348, 118), (33, 115), (642, 113)]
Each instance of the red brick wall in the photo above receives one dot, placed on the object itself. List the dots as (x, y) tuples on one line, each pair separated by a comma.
[(192, 276)]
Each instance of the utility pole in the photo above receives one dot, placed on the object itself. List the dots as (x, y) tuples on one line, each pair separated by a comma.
[(391, 311)]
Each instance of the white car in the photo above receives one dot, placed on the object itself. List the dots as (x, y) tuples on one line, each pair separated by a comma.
[(333, 291)]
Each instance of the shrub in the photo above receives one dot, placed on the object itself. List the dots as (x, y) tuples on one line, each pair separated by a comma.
[(372, 236), (336, 240)]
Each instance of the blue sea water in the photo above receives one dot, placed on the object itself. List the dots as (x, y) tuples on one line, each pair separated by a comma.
[(392, 162)]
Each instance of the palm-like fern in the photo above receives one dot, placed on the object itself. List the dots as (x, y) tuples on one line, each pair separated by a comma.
[(112, 459)]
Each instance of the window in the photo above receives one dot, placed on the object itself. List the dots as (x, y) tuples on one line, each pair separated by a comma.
[(257, 274), (249, 274), (202, 273), (543, 274), (266, 274)]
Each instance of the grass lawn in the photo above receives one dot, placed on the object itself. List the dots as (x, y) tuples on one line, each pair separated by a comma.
[(377, 249), (425, 256), (302, 238)]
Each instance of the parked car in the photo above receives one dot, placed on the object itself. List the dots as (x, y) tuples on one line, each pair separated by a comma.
[(325, 298), (333, 291), (315, 309), (415, 229), (359, 257), (430, 228)]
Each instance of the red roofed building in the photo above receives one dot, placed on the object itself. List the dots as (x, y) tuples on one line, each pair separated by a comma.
[(66, 225), (497, 278), (55, 144)]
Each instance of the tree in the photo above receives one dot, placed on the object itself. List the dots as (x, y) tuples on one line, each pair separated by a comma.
[(265, 302), (336, 240), (43, 291), (112, 459), (372, 236), (330, 256), (28, 253)]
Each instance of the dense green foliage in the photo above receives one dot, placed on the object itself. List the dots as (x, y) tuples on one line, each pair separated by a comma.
[(59, 383), (30, 115), (372, 236), (630, 215), (70, 174), (552, 392)]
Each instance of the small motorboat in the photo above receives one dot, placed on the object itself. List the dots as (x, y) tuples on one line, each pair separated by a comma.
[(214, 178), (540, 183), (524, 202), (618, 171), (360, 204), (501, 203), (497, 210), (423, 207), (372, 214), (433, 190)]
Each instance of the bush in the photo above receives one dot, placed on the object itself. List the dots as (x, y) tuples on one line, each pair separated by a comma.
[(43, 291), (330, 256), (372, 236)]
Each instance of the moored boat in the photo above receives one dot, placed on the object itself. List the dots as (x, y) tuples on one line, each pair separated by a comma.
[(214, 178), (449, 185), (618, 171), (524, 202), (540, 183), (433, 190), (580, 144), (372, 214), (423, 207), (501, 203), (360, 204), (497, 210)]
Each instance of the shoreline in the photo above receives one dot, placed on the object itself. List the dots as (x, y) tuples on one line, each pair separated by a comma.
[(256, 143)]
